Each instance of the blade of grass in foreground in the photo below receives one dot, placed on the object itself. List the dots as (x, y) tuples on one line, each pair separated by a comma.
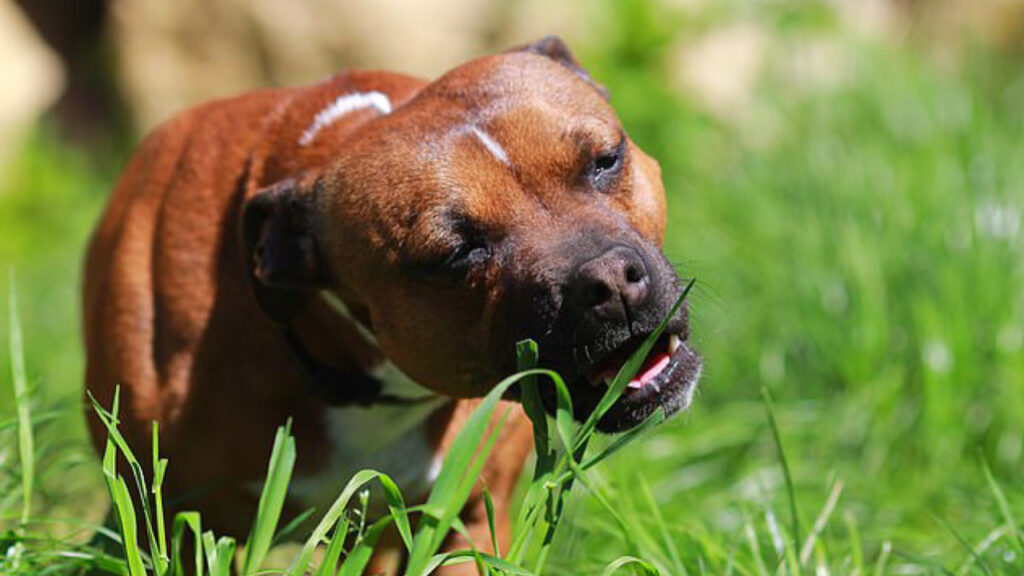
[(275, 489), (643, 567), (1016, 538), (791, 491), (26, 451), (334, 518), (124, 510), (443, 501)]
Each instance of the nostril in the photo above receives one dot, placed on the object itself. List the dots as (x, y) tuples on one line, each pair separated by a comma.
[(635, 273), (598, 293)]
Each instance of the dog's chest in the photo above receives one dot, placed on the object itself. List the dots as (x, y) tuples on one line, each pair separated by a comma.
[(396, 440)]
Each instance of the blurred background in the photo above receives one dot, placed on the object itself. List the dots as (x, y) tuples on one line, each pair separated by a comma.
[(845, 180)]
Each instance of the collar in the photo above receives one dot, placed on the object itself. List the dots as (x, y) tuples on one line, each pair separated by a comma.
[(383, 385)]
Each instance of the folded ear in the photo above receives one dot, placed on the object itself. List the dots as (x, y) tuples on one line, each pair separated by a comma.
[(554, 48), (280, 247)]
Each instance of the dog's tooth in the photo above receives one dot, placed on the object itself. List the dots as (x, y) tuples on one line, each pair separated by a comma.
[(673, 344)]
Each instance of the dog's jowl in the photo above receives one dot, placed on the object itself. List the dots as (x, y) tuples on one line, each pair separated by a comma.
[(361, 256)]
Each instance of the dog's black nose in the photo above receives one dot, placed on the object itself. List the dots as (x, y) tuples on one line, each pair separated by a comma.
[(611, 285)]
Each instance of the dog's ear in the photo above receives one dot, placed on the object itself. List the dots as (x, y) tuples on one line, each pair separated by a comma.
[(280, 247), (554, 48)]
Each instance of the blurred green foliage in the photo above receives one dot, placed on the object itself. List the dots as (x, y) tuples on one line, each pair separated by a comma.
[(858, 251)]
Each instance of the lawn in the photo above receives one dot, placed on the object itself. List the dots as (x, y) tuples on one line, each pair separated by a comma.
[(858, 258)]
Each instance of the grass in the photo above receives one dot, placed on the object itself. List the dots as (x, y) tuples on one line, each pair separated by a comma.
[(860, 257)]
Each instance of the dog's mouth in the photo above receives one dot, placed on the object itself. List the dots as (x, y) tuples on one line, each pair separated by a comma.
[(666, 379)]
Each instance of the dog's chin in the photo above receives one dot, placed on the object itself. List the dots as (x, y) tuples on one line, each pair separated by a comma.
[(666, 380)]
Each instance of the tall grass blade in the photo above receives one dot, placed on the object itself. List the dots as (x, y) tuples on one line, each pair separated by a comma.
[(329, 564), (489, 510), (1004, 507), (187, 521), (787, 475), (275, 490), (821, 521), (220, 554), (159, 470), (124, 509), (443, 501), (965, 544), (357, 559), (334, 517), (109, 420), (26, 450)]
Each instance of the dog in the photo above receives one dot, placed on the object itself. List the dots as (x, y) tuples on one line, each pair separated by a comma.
[(362, 255)]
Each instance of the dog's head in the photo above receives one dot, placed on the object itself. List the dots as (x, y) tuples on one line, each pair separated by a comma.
[(504, 201)]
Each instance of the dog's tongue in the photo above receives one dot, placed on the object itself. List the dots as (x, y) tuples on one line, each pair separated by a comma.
[(653, 366)]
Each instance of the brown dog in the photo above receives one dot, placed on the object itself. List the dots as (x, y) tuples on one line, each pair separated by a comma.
[(362, 255)]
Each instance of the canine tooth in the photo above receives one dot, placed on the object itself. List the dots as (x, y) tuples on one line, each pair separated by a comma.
[(673, 344)]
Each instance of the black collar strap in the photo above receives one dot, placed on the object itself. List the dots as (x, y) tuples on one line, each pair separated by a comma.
[(339, 387)]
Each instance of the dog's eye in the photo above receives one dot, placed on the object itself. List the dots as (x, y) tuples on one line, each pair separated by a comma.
[(467, 255), (607, 165)]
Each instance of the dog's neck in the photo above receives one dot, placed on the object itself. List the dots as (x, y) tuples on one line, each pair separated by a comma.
[(394, 382), (340, 360)]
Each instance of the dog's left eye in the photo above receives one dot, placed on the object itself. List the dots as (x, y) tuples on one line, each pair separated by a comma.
[(607, 165)]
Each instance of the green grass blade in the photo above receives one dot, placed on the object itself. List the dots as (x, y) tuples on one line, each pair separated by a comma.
[(220, 554), (334, 517), (329, 565), (786, 473), (26, 450), (444, 497), (662, 526), (489, 510), (159, 470), (186, 521), (821, 521), (462, 556), (622, 440), (125, 514), (645, 568), (526, 359), (109, 420), (124, 509), (965, 544), (272, 497), (357, 559), (1004, 507)]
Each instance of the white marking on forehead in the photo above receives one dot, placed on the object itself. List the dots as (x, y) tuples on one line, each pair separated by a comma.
[(492, 146), (343, 105)]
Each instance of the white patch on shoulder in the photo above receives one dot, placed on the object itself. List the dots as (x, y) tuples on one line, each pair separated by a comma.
[(343, 105), (492, 146), (392, 439)]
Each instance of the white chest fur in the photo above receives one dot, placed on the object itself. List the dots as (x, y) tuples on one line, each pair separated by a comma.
[(392, 439)]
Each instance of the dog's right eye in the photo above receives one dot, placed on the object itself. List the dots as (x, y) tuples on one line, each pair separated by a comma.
[(469, 249), (467, 255)]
